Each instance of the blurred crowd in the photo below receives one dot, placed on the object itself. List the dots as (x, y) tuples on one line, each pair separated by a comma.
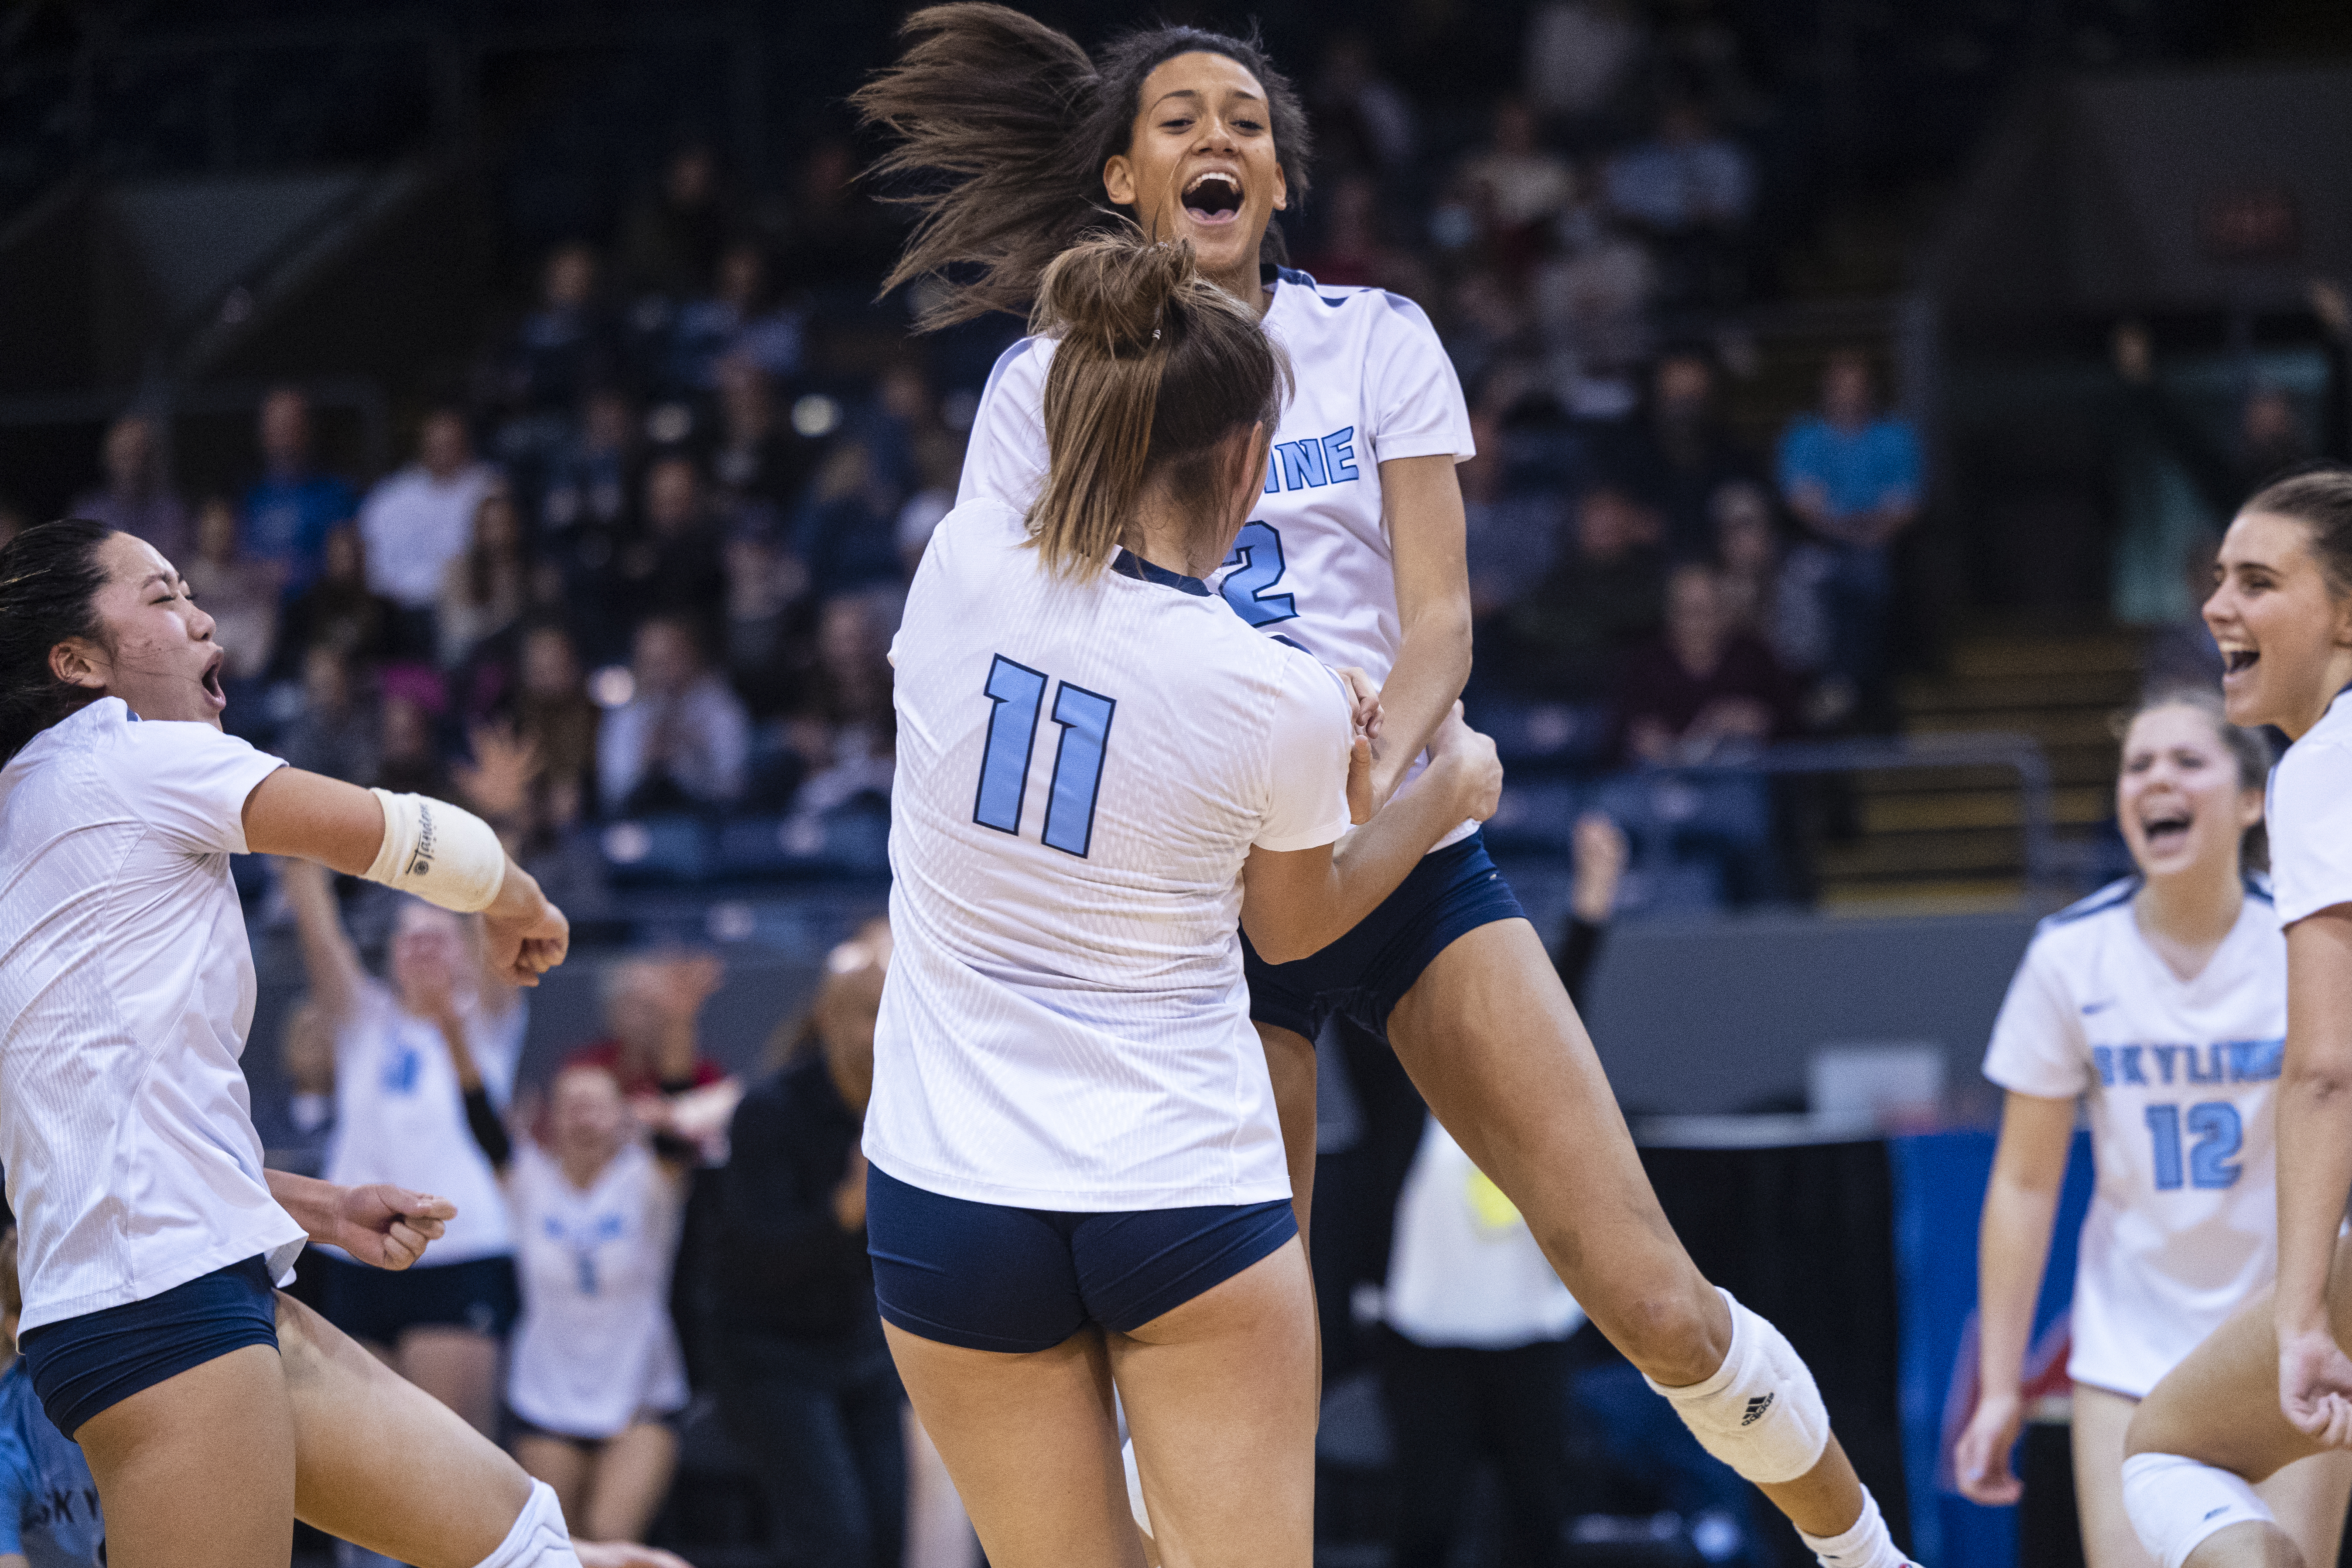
[(651, 562)]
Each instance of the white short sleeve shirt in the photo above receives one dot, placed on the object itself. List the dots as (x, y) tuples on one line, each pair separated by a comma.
[(1315, 565), (1083, 768), (2310, 817), (126, 990), (2177, 1080)]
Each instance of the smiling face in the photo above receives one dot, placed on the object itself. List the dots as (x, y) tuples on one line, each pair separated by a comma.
[(158, 653), (1201, 166), (587, 1118), (2181, 798), (2286, 633)]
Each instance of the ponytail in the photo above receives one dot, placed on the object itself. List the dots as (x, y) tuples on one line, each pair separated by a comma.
[(49, 579), (1154, 367)]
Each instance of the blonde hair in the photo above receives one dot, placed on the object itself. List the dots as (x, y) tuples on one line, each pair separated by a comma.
[(1154, 368)]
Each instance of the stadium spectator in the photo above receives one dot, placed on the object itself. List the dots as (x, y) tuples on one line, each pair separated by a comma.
[(1682, 452), (337, 732), (764, 587), (736, 321), (135, 494), (758, 463), (410, 703), (590, 479), (1580, 57), (1690, 191), (563, 348), (683, 739), (1362, 123), (938, 468), (673, 566), (339, 611), (405, 1052), (1768, 594), (837, 236), (807, 1388), (1511, 529), (846, 730), (1569, 634), (670, 238), (417, 521), (1852, 477), (1354, 248), (653, 1043), (846, 532), (482, 588), (1705, 691), (296, 1137), (1594, 301), (555, 719), (239, 594), (1517, 186), (292, 507), (596, 1380)]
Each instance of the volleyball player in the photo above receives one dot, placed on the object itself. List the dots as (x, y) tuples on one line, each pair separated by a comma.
[(400, 1116), (2161, 1002), (596, 1377), (1077, 1175), (2273, 1386), (1353, 551), (213, 1411)]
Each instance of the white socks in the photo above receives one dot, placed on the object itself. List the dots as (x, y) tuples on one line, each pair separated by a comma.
[(538, 1538), (1761, 1413), (1866, 1545), (2176, 1503)]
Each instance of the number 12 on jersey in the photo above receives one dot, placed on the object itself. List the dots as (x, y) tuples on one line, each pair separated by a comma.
[(2218, 1133), (1018, 694)]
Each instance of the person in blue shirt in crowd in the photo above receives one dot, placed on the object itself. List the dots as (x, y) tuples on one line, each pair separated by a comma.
[(292, 507), (48, 1503), (1852, 477)]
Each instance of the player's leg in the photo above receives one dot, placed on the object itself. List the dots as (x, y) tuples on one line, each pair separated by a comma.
[(379, 1462), (1496, 1047), (1031, 1443), (562, 1463), (627, 1478), (457, 1366), (2209, 1434), (2100, 1420), (197, 1471), (2308, 1498), (1220, 1398)]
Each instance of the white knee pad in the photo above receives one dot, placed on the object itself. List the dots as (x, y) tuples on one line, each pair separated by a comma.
[(2176, 1503), (1761, 1413), (538, 1538)]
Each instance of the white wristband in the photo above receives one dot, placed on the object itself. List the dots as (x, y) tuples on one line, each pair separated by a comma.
[(442, 853)]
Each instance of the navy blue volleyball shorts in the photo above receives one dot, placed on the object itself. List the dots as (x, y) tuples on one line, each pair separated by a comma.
[(379, 1305), (1366, 973), (989, 1277), (85, 1364)]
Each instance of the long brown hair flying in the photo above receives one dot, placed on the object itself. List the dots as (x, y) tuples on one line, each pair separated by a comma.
[(1001, 127)]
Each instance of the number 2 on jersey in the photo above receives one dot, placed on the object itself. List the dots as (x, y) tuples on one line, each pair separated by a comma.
[(1257, 566), (2218, 1133), (1018, 693)]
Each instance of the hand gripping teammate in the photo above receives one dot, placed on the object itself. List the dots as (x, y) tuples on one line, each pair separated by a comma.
[(2273, 1386), (2161, 1002), (1354, 552), (213, 1412), (1077, 1179)]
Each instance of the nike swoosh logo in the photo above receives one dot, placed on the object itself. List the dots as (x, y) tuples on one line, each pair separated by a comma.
[(2091, 1007)]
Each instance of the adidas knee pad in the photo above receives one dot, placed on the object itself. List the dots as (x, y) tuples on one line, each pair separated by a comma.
[(2175, 1503), (538, 1538), (1761, 1413)]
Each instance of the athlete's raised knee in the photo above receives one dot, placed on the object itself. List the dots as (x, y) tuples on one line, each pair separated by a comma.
[(2177, 1505), (1758, 1410), (1674, 1337)]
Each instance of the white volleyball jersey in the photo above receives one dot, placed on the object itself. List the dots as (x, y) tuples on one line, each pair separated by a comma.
[(2177, 1077), (1314, 564), (1083, 767), (400, 1116), (1465, 1269), (594, 1346), (2309, 815), (126, 989)]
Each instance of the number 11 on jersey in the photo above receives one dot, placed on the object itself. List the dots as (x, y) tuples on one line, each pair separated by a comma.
[(1018, 695)]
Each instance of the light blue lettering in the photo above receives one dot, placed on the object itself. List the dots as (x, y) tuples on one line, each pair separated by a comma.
[(1339, 454), (2104, 1060), (1302, 464), (2216, 1073), (2129, 1060), (2256, 1061), (2164, 1060)]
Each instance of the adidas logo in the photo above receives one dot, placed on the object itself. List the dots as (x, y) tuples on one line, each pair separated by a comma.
[(1755, 1409)]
